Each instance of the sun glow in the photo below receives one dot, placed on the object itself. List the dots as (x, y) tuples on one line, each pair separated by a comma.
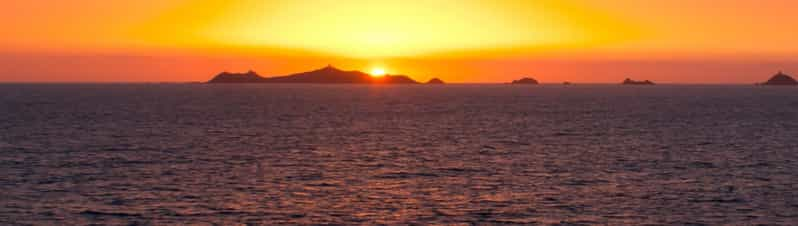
[(368, 29), (378, 72), (480, 41)]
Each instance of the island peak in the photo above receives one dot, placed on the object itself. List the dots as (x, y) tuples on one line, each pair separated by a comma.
[(781, 79)]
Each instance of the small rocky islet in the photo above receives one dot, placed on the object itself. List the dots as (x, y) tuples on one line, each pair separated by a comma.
[(525, 81), (629, 81), (781, 79), (435, 81)]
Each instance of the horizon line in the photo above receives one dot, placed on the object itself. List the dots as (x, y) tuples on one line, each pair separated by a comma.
[(572, 83)]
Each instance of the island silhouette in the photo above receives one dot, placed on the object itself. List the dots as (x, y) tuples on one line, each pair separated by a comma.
[(435, 81), (326, 75), (525, 81), (333, 75), (629, 81), (781, 79)]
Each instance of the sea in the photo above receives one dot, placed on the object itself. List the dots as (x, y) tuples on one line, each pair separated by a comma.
[(281, 154)]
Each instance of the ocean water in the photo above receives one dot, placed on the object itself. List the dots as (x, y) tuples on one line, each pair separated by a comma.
[(141, 154)]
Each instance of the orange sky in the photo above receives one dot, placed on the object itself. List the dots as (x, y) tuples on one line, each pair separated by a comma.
[(680, 41)]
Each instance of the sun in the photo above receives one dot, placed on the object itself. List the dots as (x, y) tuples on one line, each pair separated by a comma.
[(378, 72)]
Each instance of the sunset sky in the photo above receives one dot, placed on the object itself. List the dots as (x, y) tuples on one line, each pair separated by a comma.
[(595, 41)]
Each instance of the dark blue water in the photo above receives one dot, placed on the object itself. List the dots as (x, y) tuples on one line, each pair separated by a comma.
[(348, 154)]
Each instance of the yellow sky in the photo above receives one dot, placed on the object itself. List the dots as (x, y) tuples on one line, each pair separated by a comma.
[(390, 28), (406, 36)]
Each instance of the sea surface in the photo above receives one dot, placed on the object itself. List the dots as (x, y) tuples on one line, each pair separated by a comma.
[(165, 154)]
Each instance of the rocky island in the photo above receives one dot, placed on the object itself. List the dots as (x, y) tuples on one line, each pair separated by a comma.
[(633, 82), (781, 79), (227, 77), (326, 75), (525, 81), (435, 81)]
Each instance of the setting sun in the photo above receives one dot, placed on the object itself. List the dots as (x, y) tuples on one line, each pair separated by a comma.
[(428, 112), (377, 72)]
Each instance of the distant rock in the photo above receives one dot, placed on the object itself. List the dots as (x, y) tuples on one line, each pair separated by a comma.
[(435, 81), (567, 83), (633, 82), (525, 81), (394, 79), (781, 79), (227, 77), (326, 75)]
